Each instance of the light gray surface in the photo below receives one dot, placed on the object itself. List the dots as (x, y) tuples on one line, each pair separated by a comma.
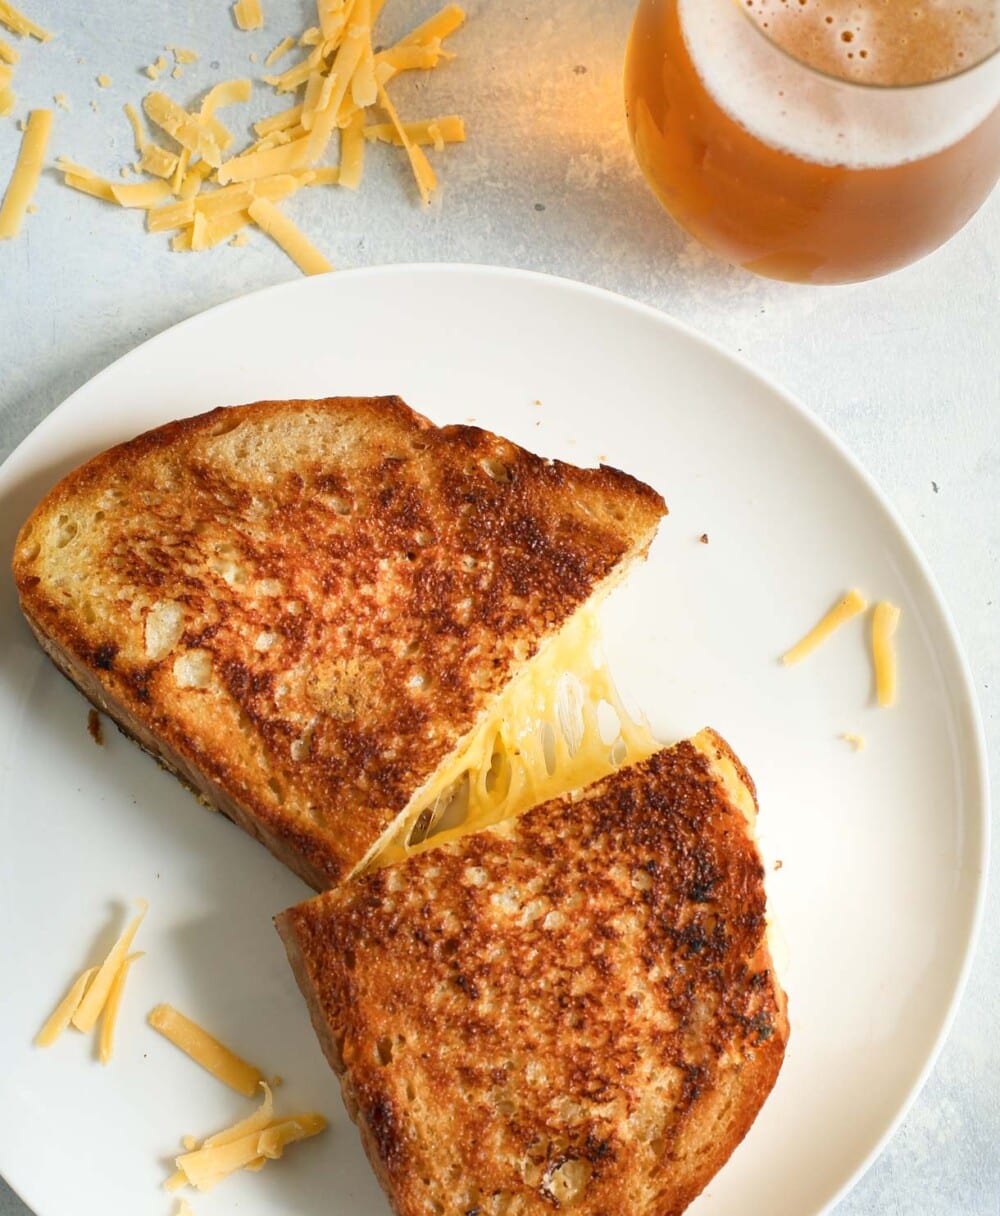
[(905, 370)]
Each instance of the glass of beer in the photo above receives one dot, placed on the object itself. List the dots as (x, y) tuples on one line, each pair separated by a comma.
[(820, 141)]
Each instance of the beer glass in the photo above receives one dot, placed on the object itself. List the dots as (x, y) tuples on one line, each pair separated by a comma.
[(821, 141)]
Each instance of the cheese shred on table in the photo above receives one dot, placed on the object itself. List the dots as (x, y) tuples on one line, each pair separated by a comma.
[(341, 79), (27, 171)]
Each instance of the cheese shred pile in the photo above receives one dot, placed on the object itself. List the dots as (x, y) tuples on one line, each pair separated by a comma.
[(203, 190), (96, 994), (15, 21), (247, 1145)]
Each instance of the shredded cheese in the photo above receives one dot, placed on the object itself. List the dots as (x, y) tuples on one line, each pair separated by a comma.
[(228, 93), (858, 742), (422, 171), (435, 132), (7, 52), (63, 1012), (352, 152), (444, 22), (884, 622), (143, 194), (852, 603), (206, 1050), (183, 1208), (17, 23), (342, 78), (158, 162), (7, 102), (283, 47), (284, 159), (109, 1016), (279, 122), (248, 14), (283, 232), (248, 1144), (104, 80), (136, 123), (201, 134), (26, 173), (543, 737), (93, 1002)]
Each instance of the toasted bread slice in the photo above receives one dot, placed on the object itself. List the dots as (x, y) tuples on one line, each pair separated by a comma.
[(304, 607), (575, 1008)]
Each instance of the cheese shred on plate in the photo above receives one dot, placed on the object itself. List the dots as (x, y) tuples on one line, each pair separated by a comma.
[(96, 993), (249, 1144), (225, 1065), (852, 603), (884, 622), (337, 85)]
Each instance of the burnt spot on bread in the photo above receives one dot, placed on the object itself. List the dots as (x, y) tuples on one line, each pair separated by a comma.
[(103, 656)]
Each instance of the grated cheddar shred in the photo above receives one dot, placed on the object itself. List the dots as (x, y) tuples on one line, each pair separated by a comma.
[(341, 81)]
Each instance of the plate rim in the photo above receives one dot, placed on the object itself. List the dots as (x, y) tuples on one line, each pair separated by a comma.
[(978, 796)]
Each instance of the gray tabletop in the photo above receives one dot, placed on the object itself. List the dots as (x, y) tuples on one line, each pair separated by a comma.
[(905, 370)]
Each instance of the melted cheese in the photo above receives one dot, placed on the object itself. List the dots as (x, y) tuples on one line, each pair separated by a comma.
[(280, 229), (884, 622), (225, 1065), (26, 173), (109, 1015), (852, 603), (558, 726), (63, 1013), (17, 23), (248, 14), (97, 994)]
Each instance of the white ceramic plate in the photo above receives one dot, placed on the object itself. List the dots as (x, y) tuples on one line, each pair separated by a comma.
[(882, 851)]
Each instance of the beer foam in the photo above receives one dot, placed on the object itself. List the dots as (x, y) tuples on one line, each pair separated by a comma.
[(814, 116), (897, 43)]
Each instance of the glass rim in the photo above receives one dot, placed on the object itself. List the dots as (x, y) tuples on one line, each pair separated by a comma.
[(871, 85)]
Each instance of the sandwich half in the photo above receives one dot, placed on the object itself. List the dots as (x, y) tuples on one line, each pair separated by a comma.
[(573, 1008), (310, 610)]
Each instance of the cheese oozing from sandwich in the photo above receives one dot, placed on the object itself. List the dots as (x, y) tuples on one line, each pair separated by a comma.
[(560, 725)]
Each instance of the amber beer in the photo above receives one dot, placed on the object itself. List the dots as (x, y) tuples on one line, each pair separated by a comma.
[(819, 141)]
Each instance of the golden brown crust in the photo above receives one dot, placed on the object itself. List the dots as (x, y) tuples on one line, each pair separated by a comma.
[(580, 999), (352, 584)]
